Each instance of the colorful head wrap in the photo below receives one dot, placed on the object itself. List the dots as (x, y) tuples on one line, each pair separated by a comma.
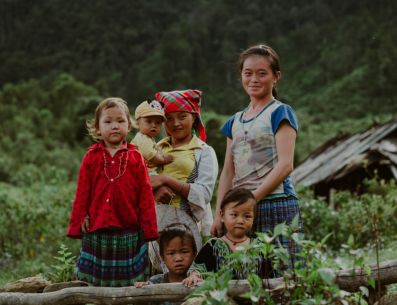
[(184, 101)]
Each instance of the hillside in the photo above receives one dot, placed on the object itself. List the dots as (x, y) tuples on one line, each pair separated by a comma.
[(337, 57)]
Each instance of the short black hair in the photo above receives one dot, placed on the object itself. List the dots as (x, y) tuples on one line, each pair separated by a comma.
[(238, 195), (167, 235)]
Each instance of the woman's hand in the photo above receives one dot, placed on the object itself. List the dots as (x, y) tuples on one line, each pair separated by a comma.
[(156, 181), (163, 195), (217, 227), (85, 226), (256, 195)]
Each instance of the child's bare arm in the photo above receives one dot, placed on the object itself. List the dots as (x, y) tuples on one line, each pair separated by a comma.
[(193, 279), (161, 160)]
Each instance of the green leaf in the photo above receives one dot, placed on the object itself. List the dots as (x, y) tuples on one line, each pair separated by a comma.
[(278, 229), (308, 302), (359, 261), (218, 295), (371, 282), (327, 275), (364, 290), (254, 298), (254, 280), (324, 240), (350, 240), (295, 223)]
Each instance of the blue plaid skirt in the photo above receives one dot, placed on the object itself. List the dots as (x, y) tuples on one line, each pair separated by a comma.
[(271, 212), (115, 258)]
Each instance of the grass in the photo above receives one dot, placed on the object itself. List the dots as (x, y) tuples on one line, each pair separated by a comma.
[(22, 269)]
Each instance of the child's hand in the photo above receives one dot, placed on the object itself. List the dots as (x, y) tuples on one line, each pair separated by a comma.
[(141, 284), (192, 280), (168, 159), (217, 228), (85, 226)]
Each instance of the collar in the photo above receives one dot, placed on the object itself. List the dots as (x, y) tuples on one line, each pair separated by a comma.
[(193, 144), (101, 146), (242, 120)]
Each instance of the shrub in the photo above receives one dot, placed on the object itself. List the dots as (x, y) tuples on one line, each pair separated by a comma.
[(351, 215), (34, 219)]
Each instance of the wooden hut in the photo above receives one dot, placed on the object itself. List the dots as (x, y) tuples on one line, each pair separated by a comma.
[(344, 162)]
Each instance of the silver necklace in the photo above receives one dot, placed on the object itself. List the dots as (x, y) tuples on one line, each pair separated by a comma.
[(121, 170)]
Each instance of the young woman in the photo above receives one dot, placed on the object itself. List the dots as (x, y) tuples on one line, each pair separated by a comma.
[(188, 182), (260, 146)]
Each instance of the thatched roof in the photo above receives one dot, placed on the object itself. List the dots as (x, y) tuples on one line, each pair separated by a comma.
[(344, 161)]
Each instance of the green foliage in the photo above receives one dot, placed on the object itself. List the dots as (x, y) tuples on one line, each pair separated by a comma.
[(63, 270), (351, 214), (214, 289), (34, 220), (313, 282), (44, 129)]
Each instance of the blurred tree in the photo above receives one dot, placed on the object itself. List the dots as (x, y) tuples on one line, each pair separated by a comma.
[(329, 56)]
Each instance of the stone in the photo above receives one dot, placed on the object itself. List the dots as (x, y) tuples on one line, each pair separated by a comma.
[(35, 284)]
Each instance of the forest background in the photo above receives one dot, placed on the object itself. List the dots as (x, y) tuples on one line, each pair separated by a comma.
[(60, 58)]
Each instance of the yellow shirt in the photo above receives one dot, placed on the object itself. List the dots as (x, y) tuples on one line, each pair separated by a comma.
[(147, 147), (183, 164)]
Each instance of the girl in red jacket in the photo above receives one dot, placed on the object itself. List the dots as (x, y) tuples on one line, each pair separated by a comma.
[(113, 211)]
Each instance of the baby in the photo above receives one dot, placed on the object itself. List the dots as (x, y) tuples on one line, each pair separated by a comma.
[(150, 116)]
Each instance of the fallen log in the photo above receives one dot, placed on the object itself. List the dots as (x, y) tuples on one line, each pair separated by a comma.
[(119, 296), (349, 280), (352, 279)]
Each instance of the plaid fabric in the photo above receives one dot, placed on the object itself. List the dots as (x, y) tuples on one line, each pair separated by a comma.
[(271, 212), (113, 258), (184, 101)]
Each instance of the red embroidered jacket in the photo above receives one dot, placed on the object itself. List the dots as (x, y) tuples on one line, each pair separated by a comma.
[(113, 192)]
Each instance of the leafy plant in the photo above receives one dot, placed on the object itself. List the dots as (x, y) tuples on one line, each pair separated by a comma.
[(349, 215), (63, 270), (307, 281), (214, 289)]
